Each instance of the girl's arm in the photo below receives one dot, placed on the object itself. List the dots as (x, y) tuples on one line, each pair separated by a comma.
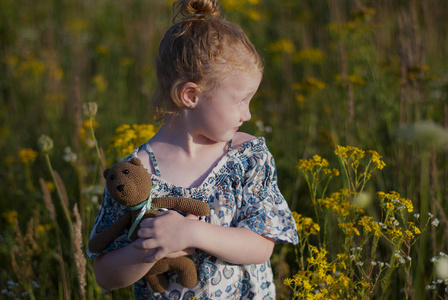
[(121, 267), (124, 266), (171, 232)]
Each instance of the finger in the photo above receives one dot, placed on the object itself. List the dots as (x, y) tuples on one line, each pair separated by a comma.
[(145, 233), (146, 244), (147, 222)]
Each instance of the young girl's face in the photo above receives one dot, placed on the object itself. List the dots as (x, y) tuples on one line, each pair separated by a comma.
[(220, 112)]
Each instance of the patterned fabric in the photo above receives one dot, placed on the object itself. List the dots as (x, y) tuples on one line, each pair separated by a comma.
[(241, 191)]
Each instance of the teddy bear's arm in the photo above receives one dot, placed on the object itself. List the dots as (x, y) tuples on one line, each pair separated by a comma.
[(186, 205), (100, 241)]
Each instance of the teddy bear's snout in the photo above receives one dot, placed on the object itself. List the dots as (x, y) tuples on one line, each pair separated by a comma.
[(120, 187)]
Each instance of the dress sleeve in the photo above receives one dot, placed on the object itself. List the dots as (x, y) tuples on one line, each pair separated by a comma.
[(109, 213), (263, 208)]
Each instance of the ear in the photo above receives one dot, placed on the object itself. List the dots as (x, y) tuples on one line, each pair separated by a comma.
[(105, 172), (135, 161), (188, 94)]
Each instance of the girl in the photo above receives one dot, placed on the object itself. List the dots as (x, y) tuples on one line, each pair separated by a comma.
[(207, 73)]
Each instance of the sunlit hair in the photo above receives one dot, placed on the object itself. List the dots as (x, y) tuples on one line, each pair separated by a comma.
[(200, 47)]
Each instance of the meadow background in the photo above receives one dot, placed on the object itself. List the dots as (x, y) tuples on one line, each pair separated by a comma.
[(367, 74)]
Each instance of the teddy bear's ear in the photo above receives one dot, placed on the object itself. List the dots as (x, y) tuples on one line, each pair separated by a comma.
[(136, 161), (105, 172)]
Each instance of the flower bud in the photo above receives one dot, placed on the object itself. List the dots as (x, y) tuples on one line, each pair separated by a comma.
[(45, 143), (90, 109)]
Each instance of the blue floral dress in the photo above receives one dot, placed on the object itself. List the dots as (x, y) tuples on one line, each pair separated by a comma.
[(241, 191)]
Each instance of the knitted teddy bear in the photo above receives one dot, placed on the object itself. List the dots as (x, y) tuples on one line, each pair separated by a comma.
[(130, 184)]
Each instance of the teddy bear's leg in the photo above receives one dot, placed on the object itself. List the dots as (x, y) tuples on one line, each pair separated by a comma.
[(158, 283), (185, 269), (156, 278)]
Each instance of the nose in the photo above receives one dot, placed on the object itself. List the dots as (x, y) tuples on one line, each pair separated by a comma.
[(245, 114), (120, 187)]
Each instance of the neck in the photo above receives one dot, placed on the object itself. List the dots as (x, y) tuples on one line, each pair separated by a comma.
[(178, 135)]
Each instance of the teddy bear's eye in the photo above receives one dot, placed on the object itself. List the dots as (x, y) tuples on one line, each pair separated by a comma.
[(126, 171), (112, 177)]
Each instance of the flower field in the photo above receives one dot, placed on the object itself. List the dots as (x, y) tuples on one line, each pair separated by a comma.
[(353, 106)]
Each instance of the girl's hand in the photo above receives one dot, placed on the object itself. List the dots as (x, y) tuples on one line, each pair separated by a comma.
[(168, 233)]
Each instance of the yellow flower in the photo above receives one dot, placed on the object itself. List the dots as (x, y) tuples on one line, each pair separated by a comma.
[(307, 285), (394, 234), (85, 131), (288, 281), (349, 152), (282, 45), (253, 14), (11, 216), (305, 225), (27, 155), (300, 98), (128, 137), (102, 49), (376, 159), (100, 82), (349, 228), (9, 159), (355, 79), (393, 201), (309, 55), (41, 229), (50, 186), (409, 235)]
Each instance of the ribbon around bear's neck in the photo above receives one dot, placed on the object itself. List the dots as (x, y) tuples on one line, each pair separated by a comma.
[(144, 207)]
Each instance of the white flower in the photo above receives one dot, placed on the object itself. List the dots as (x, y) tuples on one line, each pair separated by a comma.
[(434, 259), (442, 268), (396, 223), (373, 263), (417, 216), (10, 283), (430, 215), (69, 156), (435, 222), (359, 263)]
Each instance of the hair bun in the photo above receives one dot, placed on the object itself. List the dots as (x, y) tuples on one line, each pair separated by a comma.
[(184, 9)]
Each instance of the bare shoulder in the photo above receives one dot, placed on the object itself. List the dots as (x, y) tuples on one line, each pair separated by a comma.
[(144, 158), (240, 138)]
